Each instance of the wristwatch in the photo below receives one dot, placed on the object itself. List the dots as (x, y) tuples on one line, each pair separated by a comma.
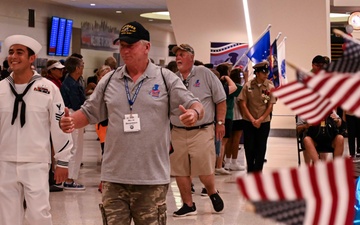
[(220, 122)]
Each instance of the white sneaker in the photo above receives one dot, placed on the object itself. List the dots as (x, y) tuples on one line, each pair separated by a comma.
[(236, 167), (221, 171), (227, 166)]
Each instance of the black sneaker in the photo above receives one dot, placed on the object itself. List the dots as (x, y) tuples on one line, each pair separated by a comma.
[(192, 188), (55, 188), (203, 192), (185, 210), (217, 202)]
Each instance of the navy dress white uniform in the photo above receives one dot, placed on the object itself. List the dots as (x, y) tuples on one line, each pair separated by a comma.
[(25, 152)]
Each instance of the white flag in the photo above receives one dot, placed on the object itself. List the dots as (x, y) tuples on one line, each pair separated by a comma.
[(281, 62)]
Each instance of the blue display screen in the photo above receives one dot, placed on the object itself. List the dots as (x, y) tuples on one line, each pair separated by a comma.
[(60, 39), (68, 32), (357, 201), (53, 35)]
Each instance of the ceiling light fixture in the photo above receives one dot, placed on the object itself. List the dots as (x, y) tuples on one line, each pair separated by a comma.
[(157, 15), (92, 4), (118, 11), (339, 17)]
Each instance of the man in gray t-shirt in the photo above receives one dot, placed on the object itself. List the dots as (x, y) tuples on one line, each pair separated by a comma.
[(137, 100), (194, 147)]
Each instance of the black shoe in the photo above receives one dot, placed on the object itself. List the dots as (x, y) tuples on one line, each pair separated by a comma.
[(203, 192), (54, 188), (192, 188), (185, 210), (217, 202)]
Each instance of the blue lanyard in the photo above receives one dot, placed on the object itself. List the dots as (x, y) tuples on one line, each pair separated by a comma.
[(131, 101)]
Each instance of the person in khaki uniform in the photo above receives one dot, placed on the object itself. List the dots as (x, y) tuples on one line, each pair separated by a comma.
[(256, 102)]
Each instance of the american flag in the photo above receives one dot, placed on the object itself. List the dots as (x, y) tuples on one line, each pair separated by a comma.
[(327, 190), (350, 60), (315, 97)]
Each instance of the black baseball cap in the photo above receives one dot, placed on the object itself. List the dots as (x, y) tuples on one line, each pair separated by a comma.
[(133, 32)]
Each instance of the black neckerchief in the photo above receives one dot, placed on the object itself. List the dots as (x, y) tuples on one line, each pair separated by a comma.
[(19, 98)]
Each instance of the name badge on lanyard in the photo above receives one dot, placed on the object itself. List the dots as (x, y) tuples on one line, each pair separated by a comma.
[(131, 121)]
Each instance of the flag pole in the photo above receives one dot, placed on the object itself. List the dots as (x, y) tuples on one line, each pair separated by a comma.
[(277, 37), (282, 42), (242, 56), (293, 66), (344, 35), (263, 33)]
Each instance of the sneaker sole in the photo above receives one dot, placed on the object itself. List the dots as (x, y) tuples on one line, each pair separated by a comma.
[(186, 214), (237, 170), (74, 189)]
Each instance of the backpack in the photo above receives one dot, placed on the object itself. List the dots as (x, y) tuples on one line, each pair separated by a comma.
[(323, 134)]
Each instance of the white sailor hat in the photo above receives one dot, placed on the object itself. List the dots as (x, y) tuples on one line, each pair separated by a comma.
[(23, 40)]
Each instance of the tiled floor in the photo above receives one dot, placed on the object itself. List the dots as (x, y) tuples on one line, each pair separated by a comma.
[(81, 207)]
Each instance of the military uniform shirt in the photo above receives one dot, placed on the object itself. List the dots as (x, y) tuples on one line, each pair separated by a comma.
[(255, 98)]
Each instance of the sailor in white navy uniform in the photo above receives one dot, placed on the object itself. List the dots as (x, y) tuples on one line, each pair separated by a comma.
[(30, 107)]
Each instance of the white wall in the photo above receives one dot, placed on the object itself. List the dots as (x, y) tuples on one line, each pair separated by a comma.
[(14, 20), (307, 31)]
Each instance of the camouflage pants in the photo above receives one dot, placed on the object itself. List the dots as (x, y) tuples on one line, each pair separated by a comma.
[(145, 204)]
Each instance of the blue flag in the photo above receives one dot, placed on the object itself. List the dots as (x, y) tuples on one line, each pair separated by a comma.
[(273, 60), (260, 51)]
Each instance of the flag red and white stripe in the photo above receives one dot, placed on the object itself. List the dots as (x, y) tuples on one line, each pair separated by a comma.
[(314, 98), (328, 189)]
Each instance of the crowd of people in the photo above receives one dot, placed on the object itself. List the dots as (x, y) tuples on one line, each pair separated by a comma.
[(140, 111)]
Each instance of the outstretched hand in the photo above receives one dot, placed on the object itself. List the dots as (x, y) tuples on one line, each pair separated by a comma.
[(66, 122), (188, 116)]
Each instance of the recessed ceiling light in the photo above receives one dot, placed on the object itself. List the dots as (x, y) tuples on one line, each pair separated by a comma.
[(92, 4), (151, 20), (157, 15), (118, 11), (339, 17)]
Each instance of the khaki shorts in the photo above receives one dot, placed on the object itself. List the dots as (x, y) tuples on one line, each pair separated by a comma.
[(194, 151)]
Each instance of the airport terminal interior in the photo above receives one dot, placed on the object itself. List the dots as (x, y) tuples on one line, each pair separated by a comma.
[(81, 207)]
